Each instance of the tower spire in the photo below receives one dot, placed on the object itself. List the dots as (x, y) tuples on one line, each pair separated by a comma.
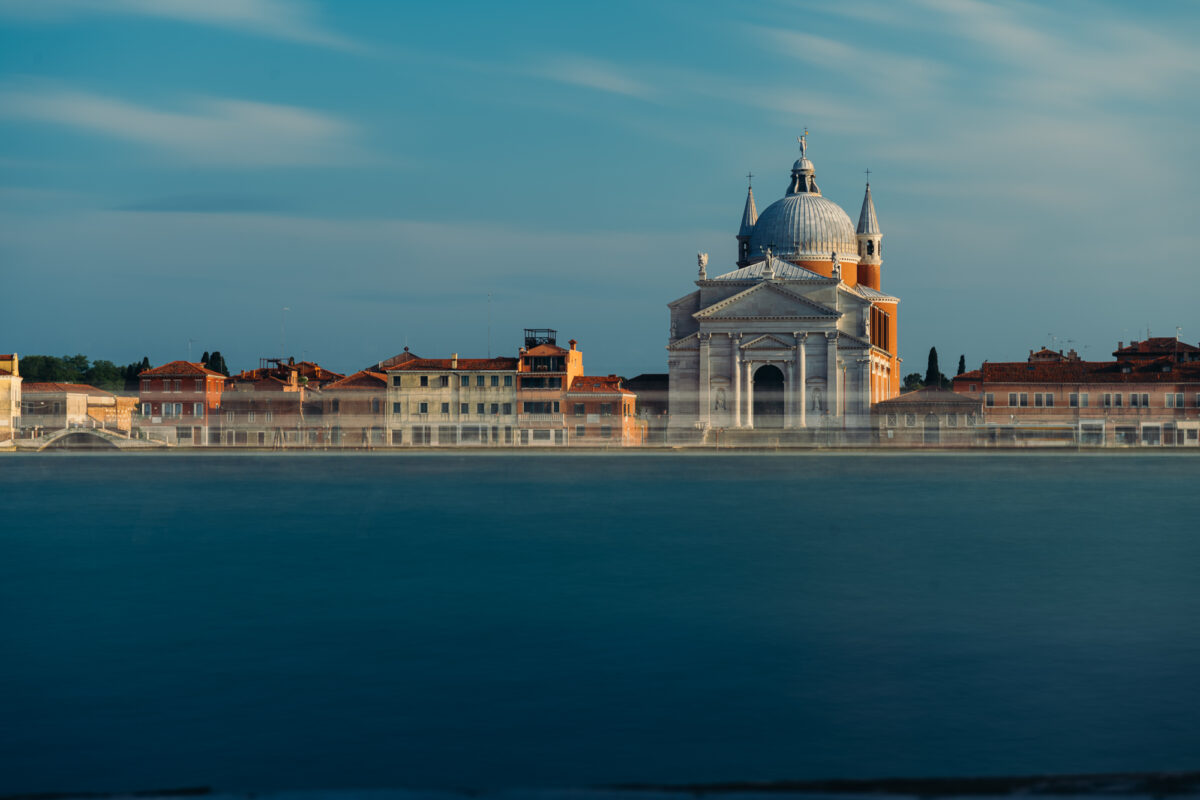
[(746, 229), (867, 221)]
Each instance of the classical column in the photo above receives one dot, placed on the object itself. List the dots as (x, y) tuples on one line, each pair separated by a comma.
[(832, 389), (735, 370), (749, 394), (864, 386), (705, 370), (801, 376), (789, 394)]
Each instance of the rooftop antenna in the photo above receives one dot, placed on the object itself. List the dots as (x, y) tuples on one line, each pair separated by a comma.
[(282, 333), (190, 340)]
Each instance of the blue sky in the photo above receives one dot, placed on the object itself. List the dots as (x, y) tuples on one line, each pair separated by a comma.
[(186, 169)]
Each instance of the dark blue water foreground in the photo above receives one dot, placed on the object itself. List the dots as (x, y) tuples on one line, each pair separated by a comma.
[(273, 622)]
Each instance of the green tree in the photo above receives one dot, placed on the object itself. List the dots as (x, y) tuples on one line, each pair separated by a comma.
[(933, 375), (962, 365), (912, 382), (216, 362), (204, 358), (105, 375)]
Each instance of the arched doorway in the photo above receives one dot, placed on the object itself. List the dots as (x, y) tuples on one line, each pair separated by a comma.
[(768, 397), (933, 432)]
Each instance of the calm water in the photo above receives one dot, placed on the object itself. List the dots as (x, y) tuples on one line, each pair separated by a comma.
[(274, 622)]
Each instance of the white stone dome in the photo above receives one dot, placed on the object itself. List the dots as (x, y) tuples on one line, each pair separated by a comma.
[(804, 225)]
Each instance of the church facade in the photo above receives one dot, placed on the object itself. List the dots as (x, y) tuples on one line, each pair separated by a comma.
[(799, 337)]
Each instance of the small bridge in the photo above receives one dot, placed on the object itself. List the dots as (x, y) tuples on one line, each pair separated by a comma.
[(86, 439)]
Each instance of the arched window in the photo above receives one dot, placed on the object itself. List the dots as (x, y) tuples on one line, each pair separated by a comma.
[(870, 248)]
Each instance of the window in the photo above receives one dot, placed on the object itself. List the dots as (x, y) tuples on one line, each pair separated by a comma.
[(197, 409), (1073, 400), (229, 416), (145, 384), (145, 409), (464, 408), (1037, 400), (444, 381), (1117, 400), (989, 399), (892, 420), (495, 380), (494, 408), (1107, 400), (479, 408), (541, 436), (178, 385), (580, 430), (1133, 400), (199, 384), (424, 380), (479, 380), (464, 380), (970, 419), (423, 408), (605, 431), (508, 380), (973, 389), (268, 416), (1049, 400), (1174, 400), (396, 408), (335, 405), (249, 416), (579, 410), (1012, 398), (445, 408), (376, 405), (183, 433), (952, 420), (398, 437), (396, 380), (1083, 400), (606, 409), (910, 420), (507, 409)]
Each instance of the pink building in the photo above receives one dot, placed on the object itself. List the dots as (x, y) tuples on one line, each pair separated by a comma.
[(1148, 396)]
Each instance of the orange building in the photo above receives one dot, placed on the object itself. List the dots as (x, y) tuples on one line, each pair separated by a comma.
[(601, 412), (545, 373)]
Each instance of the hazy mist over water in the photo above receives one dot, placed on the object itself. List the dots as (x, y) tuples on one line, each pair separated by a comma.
[(256, 622)]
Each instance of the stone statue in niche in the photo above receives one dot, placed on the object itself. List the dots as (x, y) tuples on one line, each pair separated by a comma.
[(817, 401), (674, 329), (719, 402)]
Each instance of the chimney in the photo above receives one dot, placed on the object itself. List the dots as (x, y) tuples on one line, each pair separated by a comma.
[(1120, 345), (572, 343), (454, 361)]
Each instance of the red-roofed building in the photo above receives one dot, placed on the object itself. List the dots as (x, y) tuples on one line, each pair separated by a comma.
[(277, 405), (179, 403), (451, 401), (602, 412), (354, 410), (1150, 395)]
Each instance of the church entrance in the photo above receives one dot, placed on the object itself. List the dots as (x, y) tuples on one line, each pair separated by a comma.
[(768, 397)]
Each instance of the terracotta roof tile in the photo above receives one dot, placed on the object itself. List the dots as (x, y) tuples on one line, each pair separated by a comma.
[(362, 380), (181, 368), (464, 364), (57, 388)]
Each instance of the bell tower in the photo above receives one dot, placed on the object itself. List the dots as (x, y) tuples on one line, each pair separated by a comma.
[(870, 243)]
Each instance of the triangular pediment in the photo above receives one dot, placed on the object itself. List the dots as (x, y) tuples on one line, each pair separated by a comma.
[(690, 342), (768, 342), (767, 301)]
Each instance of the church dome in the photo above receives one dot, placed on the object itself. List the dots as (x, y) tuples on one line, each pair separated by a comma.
[(804, 225)]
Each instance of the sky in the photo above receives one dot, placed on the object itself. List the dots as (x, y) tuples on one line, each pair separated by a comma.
[(336, 181)]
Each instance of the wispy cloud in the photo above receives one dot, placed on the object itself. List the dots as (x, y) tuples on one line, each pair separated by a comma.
[(591, 73), (211, 130), (292, 20)]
